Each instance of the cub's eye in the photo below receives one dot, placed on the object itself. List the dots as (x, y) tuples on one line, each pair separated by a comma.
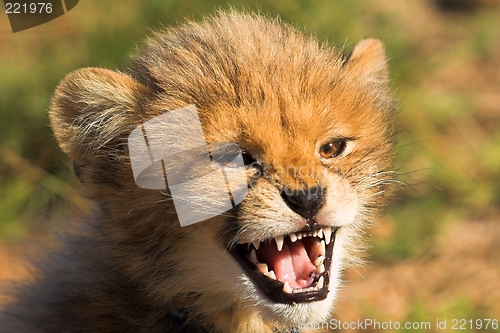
[(247, 158), (333, 148), (230, 156), (226, 155)]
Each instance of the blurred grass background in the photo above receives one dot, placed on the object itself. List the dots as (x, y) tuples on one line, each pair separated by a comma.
[(445, 63)]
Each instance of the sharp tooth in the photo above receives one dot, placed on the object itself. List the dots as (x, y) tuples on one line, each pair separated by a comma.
[(293, 237), (315, 250), (303, 290), (287, 288), (320, 269), (328, 234), (320, 233), (256, 244), (322, 248), (271, 275), (253, 257), (315, 233), (320, 283), (279, 242), (262, 267), (319, 261), (299, 235)]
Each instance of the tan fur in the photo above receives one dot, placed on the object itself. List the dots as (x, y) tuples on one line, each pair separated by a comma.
[(255, 82)]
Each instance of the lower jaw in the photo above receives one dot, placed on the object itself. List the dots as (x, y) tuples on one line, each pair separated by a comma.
[(274, 291)]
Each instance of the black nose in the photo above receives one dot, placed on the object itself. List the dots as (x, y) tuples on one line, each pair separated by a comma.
[(305, 202)]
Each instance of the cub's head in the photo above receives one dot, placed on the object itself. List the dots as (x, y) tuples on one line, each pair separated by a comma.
[(311, 127)]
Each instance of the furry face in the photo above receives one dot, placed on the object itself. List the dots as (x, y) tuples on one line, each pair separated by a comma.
[(314, 126)]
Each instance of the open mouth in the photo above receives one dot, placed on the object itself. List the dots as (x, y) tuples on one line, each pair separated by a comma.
[(291, 268)]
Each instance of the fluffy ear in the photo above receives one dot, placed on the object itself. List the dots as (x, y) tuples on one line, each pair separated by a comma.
[(368, 61), (91, 108)]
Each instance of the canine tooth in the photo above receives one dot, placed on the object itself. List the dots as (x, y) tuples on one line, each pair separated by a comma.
[(262, 267), (320, 233), (271, 274), (293, 237), (279, 242), (319, 261), (322, 247), (253, 257), (320, 283), (328, 234), (256, 244), (286, 288), (320, 269)]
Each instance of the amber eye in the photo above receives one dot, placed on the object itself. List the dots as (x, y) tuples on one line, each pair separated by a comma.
[(333, 148)]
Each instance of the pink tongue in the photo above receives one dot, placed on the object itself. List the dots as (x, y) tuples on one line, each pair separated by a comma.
[(291, 264)]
